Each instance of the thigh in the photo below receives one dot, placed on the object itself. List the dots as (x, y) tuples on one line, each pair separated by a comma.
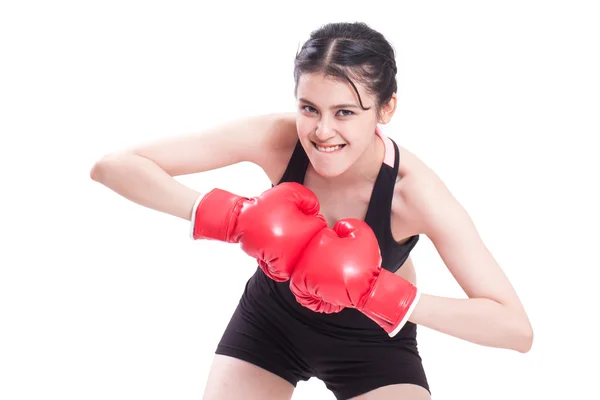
[(396, 392), (231, 378), (257, 356)]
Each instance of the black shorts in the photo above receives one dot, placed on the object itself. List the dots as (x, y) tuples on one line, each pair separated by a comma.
[(347, 351)]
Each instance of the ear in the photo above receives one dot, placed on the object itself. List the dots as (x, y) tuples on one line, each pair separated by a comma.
[(388, 110)]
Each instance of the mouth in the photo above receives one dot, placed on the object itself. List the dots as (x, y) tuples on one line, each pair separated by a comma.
[(328, 148)]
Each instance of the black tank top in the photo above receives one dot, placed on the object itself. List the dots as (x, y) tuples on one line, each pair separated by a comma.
[(379, 211), (349, 322)]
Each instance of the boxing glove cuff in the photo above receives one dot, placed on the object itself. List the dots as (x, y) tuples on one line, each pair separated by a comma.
[(391, 302), (215, 214)]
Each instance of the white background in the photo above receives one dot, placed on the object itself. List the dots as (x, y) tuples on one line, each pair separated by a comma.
[(101, 298)]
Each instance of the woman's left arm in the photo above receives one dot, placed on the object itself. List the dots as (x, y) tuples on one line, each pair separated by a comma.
[(493, 314)]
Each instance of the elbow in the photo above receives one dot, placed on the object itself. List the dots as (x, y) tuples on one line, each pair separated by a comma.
[(525, 339), (102, 167), (98, 171)]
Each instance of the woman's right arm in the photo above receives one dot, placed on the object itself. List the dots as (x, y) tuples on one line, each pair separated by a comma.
[(144, 174)]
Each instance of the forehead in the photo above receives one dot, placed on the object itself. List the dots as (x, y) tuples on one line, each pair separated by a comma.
[(330, 89)]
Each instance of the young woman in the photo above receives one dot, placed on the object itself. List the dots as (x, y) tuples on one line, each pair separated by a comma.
[(317, 303)]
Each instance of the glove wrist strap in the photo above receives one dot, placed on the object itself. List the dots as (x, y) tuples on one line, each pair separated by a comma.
[(390, 302), (215, 215)]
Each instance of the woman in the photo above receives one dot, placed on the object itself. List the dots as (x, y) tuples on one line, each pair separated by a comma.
[(284, 330)]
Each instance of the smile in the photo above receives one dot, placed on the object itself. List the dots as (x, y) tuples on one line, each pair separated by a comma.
[(328, 148)]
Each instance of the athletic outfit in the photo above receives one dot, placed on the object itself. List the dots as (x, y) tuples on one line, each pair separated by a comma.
[(349, 352)]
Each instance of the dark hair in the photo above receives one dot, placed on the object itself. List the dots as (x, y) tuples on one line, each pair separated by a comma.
[(346, 50)]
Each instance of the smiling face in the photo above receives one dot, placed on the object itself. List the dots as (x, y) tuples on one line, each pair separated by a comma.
[(333, 128)]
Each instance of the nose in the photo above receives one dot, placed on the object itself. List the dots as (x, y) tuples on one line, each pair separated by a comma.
[(325, 130)]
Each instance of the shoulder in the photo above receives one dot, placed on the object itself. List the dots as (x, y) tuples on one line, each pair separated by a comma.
[(282, 132), (278, 146), (422, 198)]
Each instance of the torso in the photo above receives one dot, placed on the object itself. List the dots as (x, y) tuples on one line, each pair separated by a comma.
[(338, 202), (349, 202)]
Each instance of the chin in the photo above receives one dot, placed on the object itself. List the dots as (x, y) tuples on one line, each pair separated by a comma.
[(329, 165), (329, 171)]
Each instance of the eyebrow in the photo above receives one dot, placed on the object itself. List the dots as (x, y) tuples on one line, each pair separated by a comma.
[(349, 105)]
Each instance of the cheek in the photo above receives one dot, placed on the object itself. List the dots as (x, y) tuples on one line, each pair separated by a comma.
[(357, 139), (304, 127)]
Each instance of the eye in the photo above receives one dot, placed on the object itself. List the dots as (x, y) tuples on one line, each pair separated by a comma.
[(312, 110), (346, 111), (308, 109)]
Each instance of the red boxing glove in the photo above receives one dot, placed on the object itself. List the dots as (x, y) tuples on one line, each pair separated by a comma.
[(274, 227), (342, 268)]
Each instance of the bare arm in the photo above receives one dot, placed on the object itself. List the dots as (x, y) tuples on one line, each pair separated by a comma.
[(493, 314), (142, 181), (144, 174)]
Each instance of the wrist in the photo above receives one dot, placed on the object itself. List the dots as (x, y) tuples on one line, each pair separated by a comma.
[(215, 214), (390, 302), (193, 216)]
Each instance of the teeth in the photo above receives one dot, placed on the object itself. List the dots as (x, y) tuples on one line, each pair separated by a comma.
[(328, 149)]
